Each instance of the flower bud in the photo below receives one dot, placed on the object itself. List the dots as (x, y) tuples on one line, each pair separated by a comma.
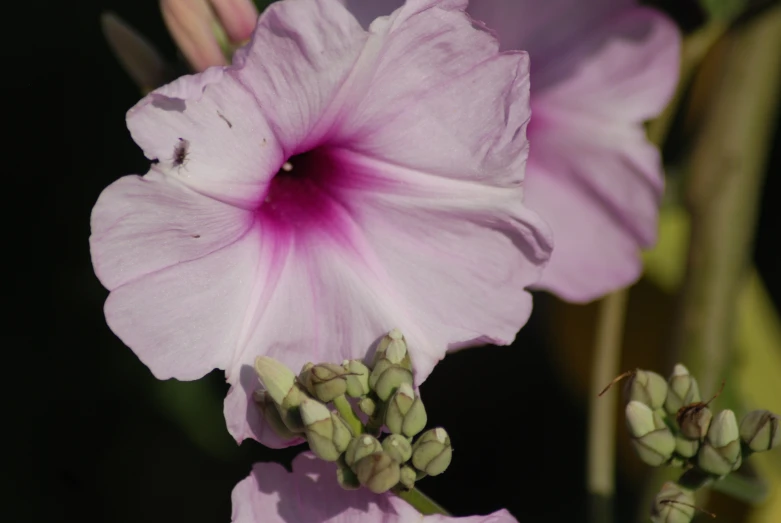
[(682, 390), (324, 381), (357, 376), (282, 388), (398, 447), (694, 421), (759, 430), (652, 439), (326, 431), (407, 477), (378, 472), (720, 453), (271, 415), (686, 447), (390, 380), (405, 413), (432, 452), (393, 347), (673, 504), (648, 388), (361, 447), (367, 406)]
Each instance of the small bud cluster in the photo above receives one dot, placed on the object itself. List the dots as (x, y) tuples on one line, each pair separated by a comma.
[(670, 425), (297, 406)]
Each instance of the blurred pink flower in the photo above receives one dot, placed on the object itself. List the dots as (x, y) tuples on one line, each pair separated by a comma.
[(600, 68), (329, 186), (310, 494)]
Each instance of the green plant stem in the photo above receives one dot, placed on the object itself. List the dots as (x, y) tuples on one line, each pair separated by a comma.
[(345, 410), (600, 468), (742, 77), (422, 503)]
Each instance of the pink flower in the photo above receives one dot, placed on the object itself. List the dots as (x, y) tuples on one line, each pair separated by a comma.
[(329, 186), (310, 494), (600, 68)]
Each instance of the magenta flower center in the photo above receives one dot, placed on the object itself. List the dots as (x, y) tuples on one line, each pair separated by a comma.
[(302, 195)]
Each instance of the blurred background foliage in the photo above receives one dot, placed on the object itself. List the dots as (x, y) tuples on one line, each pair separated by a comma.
[(94, 437)]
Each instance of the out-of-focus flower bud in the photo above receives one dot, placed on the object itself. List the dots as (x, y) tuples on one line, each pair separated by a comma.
[(686, 447), (673, 504), (357, 376), (405, 413), (682, 390), (367, 406), (648, 388), (378, 472), (720, 453), (398, 447), (652, 439), (694, 421), (346, 478), (407, 476), (272, 416), (282, 388), (432, 452), (361, 447), (324, 381), (327, 433), (238, 17), (196, 31), (759, 430)]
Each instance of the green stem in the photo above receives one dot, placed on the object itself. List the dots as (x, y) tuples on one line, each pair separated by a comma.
[(753, 491), (600, 468), (741, 79), (422, 503), (347, 413)]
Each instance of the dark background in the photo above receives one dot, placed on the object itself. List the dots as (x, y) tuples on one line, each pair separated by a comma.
[(92, 436)]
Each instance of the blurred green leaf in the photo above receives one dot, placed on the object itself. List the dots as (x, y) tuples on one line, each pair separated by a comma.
[(723, 9)]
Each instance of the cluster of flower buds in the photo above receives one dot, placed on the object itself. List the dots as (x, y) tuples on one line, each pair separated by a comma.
[(298, 406), (670, 425)]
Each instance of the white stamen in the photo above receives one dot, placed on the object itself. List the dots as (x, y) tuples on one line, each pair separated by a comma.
[(287, 166)]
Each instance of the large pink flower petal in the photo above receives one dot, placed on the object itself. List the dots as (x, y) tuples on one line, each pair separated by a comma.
[(588, 144), (413, 113), (310, 494), (544, 29)]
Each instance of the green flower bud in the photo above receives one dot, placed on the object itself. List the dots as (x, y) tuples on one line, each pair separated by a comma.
[(652, 439), (432, 452), (282, 388), (720, 453), (673, 504), (398, 447), (347, 479), (648, 388), (407, 477), (405, 413), (686, 447), (271, 415), (324, 381), (393, 347), (361, 447), (682, 390), (367, 406), (390, 380), (759, 430), (357, 376), (326, 431), (694, 421), (378, 472)]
